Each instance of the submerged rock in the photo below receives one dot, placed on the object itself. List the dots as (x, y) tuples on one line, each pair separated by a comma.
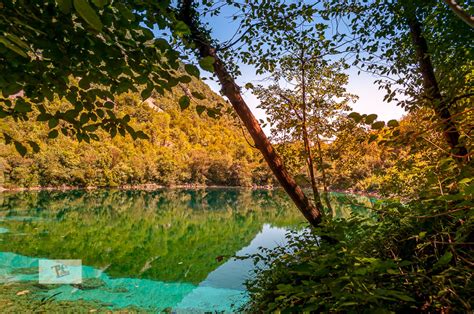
[(89, 284)]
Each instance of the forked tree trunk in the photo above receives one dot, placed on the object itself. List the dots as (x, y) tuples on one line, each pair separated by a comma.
[(323, 174), (232, 92), (307, 146), (431, 88)]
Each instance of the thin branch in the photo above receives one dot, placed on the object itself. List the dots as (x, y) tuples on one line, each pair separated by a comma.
[(444, 214), (290, 103)]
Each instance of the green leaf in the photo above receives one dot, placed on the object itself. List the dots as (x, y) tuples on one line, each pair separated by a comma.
[(89, 15), (100, 3), (184, 102), (370, 118), (22, 106), (109, 105), (198, 95), (100, 113), (85, 83), (392, 123), (13, 47), (8, 138), (52, 123), (124, 11), (372, 138), (192, 70), (126, 118), (53, 134), (181, 28), (64, 5), (404, 297), (445, 259), (212, 113), (20, 148), (378, 125), (43, 117), (142, 135), (162, 44), (185, 79), (34, 146), (200, 109), (465, 181), (355, 116), (84, 118), (249, 86), (146, 93), (91, 127), (207, 63), (17, 41)]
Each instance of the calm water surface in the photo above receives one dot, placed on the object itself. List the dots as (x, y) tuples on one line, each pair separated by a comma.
[(153, 251)]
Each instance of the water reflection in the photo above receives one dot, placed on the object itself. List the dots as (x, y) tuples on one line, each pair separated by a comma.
[(153, 250)]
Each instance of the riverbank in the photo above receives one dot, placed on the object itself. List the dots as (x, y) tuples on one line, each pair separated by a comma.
[(146, 187), (152, 187)]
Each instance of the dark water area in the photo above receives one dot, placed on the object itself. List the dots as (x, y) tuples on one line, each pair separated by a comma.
[(149, 250)]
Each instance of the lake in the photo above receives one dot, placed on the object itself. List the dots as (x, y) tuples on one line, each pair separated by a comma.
[(169, 249)]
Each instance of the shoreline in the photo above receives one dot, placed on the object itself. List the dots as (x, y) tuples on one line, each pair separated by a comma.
[(144, 187), (153, 187)]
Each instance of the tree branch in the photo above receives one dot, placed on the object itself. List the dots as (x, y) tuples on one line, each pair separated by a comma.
[(460, 12)]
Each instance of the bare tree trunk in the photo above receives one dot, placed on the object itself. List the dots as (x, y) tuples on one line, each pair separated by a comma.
[(431, 87), (323, 174), (307, 146), (232, 92)]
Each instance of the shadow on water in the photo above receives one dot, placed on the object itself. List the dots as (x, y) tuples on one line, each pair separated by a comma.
[(153, 250)]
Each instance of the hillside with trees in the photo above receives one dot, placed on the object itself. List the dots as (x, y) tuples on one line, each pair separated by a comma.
[(182, 147)]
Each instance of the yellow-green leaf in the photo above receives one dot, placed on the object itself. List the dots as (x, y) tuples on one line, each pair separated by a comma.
[(207, 63)]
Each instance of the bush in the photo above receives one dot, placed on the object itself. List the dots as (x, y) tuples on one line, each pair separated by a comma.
[(404, 258)]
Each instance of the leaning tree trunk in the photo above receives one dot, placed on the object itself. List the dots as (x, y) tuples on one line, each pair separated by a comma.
[(431, 87), (230, 89), (460, 12)]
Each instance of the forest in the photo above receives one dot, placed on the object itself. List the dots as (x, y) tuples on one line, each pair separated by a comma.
[(107, 94)]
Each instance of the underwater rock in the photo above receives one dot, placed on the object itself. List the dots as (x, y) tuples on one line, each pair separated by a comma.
[(89, 284)]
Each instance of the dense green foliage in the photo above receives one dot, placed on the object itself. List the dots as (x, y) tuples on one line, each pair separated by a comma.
[(184, 148), (409, 256), (424, 265), (108, 46)]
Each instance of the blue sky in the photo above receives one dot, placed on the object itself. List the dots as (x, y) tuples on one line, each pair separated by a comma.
[(370, 97)]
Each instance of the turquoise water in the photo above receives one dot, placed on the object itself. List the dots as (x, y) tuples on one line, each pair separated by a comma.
[(160, 250)]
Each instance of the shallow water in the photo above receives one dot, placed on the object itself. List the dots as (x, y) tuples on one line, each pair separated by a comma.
[(166, 249)]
